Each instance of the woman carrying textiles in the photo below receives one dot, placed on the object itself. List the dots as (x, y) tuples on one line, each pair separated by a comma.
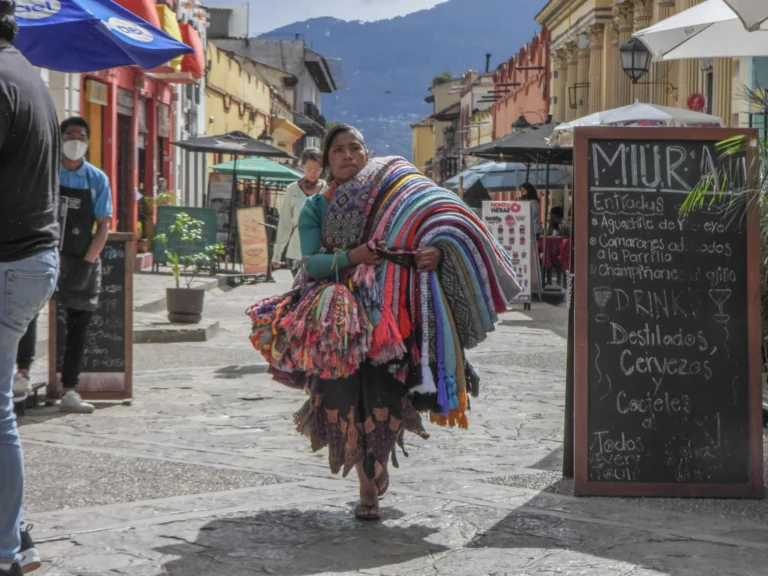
[(399, 277)]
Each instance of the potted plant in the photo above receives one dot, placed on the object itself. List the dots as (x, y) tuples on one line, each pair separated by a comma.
[(142, 245), (150, 202), (185, 304)]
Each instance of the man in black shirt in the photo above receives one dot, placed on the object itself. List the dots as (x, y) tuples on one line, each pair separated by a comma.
[(29, 235)]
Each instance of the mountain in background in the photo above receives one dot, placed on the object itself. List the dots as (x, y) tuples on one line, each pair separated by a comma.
[(389, 64)]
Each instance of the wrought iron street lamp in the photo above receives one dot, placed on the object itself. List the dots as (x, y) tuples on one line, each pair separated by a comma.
[(265, 137), (635, 59), (520, 124)]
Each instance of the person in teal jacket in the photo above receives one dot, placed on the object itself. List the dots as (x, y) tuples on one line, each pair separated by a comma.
[(371, 401)]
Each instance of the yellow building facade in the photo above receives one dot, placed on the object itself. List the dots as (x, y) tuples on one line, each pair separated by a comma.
[(236, 96), (481, 130), (423, 152), (586, 66)]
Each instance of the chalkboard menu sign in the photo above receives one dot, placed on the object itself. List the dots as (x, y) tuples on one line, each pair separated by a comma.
[(166, 216), (667, 319), (107, 363)]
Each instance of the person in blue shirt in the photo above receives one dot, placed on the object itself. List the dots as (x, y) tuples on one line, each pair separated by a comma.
[(89, 213)]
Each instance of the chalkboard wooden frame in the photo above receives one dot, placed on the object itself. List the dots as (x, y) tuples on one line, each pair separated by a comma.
[(53, 389), (583, 486)]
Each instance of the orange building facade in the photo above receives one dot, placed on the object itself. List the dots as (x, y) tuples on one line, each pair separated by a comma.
[(132, 115), (526, 79)]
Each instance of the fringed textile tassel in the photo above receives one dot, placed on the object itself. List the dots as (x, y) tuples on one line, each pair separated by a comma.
[(387, 343)]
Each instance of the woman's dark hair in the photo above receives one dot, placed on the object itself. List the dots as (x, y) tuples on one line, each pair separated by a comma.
[(312, 154), (76, 121), (331, 136), (530, 191), (8, 26)]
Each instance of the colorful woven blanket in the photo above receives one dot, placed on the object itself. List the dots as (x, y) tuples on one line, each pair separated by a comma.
[(417, 324)]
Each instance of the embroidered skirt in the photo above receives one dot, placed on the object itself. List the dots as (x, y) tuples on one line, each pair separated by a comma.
[(360, 419)]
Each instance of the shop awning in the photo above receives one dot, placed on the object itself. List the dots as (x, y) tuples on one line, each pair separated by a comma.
[(192, 63), (170, 26), (285, 133), (144, 9), (258, 167)]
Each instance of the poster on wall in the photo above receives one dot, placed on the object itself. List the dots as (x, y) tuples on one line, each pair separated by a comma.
[(220, 199), (254, 248), (510, 223)]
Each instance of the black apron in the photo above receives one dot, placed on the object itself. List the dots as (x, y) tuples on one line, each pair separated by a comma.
[(79, 281)]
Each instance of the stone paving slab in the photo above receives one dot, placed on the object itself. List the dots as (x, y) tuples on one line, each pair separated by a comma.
[(205, 474), (97, 479)]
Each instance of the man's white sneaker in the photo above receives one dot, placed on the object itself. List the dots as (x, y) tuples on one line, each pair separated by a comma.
[(71, 402), (21, 385)]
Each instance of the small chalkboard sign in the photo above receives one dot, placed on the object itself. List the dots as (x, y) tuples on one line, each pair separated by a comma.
[(667, 318), (107, 368), (166, 215)]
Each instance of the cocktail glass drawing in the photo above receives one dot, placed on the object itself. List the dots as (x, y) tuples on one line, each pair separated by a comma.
[(602, 296), (719, 296)]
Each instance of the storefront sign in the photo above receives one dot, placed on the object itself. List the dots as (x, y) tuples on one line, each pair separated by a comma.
[(254, 249), (220, 199), (96, 92), (510, 223), (696, 102), (667, 318), (125, 102)]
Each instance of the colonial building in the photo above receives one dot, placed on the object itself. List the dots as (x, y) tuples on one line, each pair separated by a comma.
[(314, 76), (423, 154), (522, 86), (237, 99), (135, 114), (476, 120), (586, 67), (445, 97)]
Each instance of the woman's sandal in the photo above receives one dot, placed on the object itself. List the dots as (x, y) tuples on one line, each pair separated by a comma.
[(367, 512)]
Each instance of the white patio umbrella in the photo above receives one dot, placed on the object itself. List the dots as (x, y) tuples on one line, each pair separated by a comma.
[(637, 114), (712, 29), (752, 13)]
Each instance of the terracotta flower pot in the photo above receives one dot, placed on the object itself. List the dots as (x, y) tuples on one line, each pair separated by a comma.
[(185, 305)]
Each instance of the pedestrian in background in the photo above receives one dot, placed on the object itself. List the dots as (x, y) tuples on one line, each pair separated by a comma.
[(287, 245), (89, 213), (529, 193), (29, 259)]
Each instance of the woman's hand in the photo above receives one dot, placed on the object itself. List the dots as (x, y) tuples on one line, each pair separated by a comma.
[(363, 254), (428, 259)]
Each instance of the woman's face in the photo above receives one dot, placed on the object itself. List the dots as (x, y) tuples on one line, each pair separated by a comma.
[(312, 170), (347, 156)]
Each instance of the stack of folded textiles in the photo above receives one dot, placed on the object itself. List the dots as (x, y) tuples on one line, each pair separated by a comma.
[(417, 324)]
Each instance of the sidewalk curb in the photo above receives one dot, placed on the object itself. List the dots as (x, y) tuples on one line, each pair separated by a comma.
[(176, 333)]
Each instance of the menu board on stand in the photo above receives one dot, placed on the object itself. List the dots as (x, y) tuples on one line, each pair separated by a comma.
[(667, 317), (510, 222), (107, 368), (254, 245), (220, 199)]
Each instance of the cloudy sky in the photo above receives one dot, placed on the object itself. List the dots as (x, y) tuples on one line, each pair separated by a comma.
[(267, 15)]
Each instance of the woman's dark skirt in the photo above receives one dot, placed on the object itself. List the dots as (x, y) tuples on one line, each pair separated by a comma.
[(360, 419)]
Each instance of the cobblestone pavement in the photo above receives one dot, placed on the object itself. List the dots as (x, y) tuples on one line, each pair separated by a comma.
[(205, 475)]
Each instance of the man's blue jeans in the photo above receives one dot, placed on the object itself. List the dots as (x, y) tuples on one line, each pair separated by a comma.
[(25, 287)]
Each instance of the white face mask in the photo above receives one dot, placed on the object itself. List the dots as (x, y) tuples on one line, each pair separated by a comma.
[(74, 149)]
